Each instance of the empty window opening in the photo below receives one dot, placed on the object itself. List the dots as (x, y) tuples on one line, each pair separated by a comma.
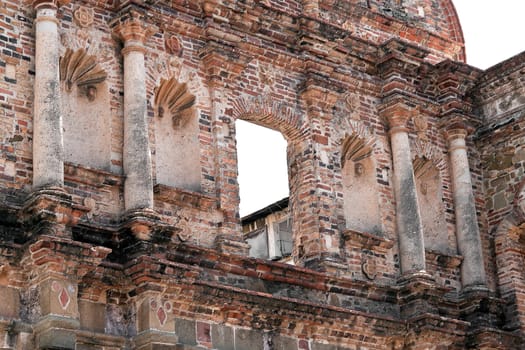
[(263, 169), (264, 190)]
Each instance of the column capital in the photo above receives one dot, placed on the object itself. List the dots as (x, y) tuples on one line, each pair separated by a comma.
[(398, 115), (37, 4), (132, 28), (456, 133), (456, 129)]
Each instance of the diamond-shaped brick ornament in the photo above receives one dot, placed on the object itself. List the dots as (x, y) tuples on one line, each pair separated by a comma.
[(161, 315), (64, 298)]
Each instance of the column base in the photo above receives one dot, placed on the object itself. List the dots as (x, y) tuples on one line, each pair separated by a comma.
[(482, 309), (475, 289), (49, 210), (419, 294), (142, 229), (410, 277)]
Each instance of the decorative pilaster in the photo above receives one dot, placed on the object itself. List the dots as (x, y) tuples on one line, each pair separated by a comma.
[(317, 242), (467, 230), (408, 217), (220, 68), (56, 265), (48, 152), (138, 186), (155, 322)]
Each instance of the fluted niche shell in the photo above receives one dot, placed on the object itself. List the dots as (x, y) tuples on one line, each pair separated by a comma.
[(173, 97), (77, 67)]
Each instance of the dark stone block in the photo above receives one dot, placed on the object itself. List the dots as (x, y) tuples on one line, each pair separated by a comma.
[(185, 330), (283, 343), (246, 339), (222, 337), (319, 346), (92, 316)]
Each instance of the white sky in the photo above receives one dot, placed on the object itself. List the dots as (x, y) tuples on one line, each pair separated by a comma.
[(263, 170), (493, 31)]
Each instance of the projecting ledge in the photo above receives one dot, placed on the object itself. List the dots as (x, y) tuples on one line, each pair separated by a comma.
[(442, 259), (367, 240), (76, 173), (184, 198)]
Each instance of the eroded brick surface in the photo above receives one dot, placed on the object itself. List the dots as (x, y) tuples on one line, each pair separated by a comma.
[(341, 80)]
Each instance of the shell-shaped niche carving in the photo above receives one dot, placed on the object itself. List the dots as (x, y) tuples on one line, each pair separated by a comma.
[(421, 166), (174, 98), (77, 67), (356, 148)]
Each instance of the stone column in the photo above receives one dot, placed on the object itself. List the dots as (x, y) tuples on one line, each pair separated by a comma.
[(408, 218), (467, 231), (138, 186), (48, 149)]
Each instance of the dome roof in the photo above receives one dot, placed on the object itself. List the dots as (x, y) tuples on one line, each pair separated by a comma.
[(432, 24)]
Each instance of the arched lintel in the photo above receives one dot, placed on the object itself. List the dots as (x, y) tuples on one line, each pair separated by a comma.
[(353, 127), (426, 150), (264, 111), (455, 27)]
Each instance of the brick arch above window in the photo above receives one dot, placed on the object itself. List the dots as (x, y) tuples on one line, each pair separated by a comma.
[(267, 112)]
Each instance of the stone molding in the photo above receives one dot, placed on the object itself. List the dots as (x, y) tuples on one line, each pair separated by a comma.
[(84, 16), (356, 148), (133, 29), (426, 152)]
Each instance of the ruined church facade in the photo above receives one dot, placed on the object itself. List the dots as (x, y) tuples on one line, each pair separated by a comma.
[(119, 200)]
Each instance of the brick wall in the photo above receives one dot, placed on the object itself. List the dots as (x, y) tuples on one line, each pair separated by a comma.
[(316, 71)]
